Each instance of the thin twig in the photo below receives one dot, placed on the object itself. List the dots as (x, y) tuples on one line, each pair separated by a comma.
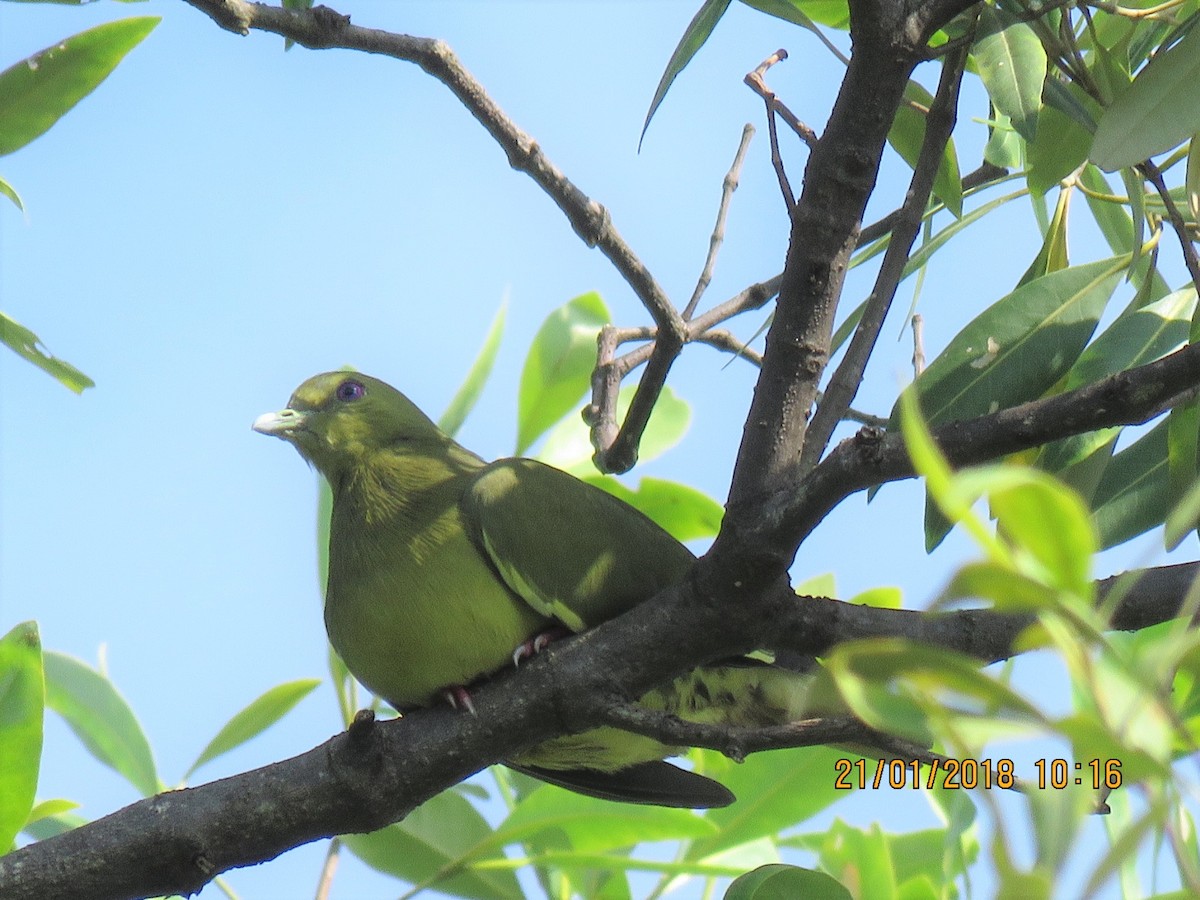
[(846, 380), (329, 868), (918, 330), (728, 186), (324, 28), (1178, 225)]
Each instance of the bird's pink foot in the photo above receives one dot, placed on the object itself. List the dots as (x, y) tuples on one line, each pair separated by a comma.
[(538, 643), (459, 698)]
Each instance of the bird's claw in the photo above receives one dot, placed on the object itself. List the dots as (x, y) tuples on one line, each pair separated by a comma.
[(537, 644), (459, 698)]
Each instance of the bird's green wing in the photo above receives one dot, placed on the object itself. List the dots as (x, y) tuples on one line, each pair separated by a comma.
[(568, 549)]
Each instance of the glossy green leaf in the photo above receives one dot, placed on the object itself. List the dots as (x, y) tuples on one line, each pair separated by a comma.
[(783, 882), (1160, 110), (684, 512), (21, 703), (1132, 496), (1020, 346), (433, 846), (1137, 337), (1059, 149), (693, 39), (558, 366), (11, 193), (102, 720), (472, 387), (908, 134), (254, 719), (29, 346), (568, 446), (1012, 64), (36, 92)]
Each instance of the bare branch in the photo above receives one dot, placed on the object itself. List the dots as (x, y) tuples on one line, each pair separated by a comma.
[(728, 186), (322, 28)]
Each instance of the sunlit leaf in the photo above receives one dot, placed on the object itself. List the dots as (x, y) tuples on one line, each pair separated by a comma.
[(21, 703), (100, 717), (472, 387), (560, 359), (29, 346), (254, 719), (1160, 110), (693, 39), (36, 92), (1012, 64)]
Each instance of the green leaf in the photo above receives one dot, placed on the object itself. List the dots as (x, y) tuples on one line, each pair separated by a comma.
[(835, 13), (569, 446), (1012, 64), (684, 512), (557, 368), (775, 791), (782, 882), (590, 825), (1018, 348), (908, 134), (36, 92), (899, 687), (468, 393), (693, 39), (433, 847), (101, 719), (1137, 337), (11, 193), (1049, 522), (1132, 496), (1183, 457), (1053, 255), (29, 346), (1160, 110), (1004, 146), (260, 715), (1060, 147), (21, 700)]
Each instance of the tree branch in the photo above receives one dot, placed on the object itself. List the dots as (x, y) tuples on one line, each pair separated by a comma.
[(939, 124)]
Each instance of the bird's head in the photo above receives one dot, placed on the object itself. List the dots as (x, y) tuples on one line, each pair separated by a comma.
[(339, 418)]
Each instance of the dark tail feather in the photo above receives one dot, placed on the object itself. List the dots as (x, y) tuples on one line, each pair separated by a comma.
[(650, 783)]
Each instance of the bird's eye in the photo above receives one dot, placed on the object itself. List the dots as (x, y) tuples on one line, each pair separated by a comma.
[(350, 390)]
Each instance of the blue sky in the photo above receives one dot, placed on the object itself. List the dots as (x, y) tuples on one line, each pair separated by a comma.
[(221, 219)]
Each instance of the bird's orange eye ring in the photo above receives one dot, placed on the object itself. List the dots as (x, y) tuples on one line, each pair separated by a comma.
[(350, 390)]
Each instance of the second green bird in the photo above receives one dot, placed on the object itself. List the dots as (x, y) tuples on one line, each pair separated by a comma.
[(442, 565)]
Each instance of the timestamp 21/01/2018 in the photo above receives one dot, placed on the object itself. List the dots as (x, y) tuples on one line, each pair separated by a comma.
[(968, 774)]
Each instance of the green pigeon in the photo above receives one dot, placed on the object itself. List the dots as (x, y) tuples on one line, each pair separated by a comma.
[(444, 569)]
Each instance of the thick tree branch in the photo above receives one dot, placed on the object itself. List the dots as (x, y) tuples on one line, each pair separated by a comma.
[(840, 175), (939, 124)]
